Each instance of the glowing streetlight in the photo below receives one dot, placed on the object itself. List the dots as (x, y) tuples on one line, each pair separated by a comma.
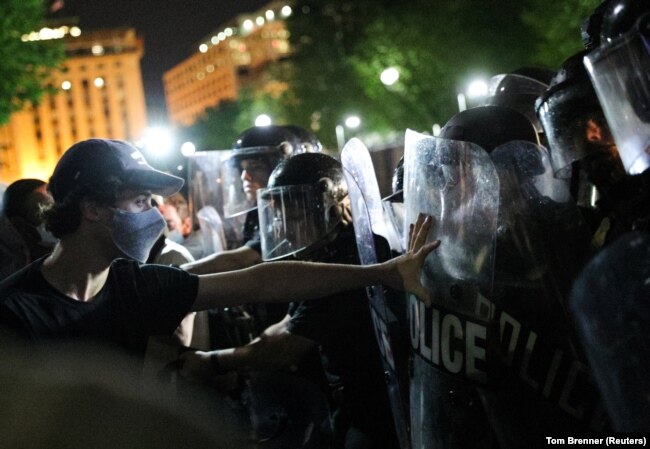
[(351, 122), (157, 141), (389, 76), (477, 89), (286, 11), (263, 120), (188, 149)]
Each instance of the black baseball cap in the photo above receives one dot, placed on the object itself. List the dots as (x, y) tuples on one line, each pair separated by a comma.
[(93, 161)]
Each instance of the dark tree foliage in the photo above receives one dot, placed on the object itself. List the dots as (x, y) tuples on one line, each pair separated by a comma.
[(341, 47), (26, 66)]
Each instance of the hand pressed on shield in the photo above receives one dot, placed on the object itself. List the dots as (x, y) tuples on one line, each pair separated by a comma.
[(410, 264)]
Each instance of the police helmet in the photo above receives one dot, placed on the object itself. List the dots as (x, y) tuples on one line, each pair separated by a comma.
[(611, 19), (301, 206), (309, 143), (519, 90), (575, 125), (266, 146), (489, 127)]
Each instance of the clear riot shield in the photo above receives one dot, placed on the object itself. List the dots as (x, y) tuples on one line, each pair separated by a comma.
[(388, 308), (543, 386), (610, 304), (205, 197), (452, 342)]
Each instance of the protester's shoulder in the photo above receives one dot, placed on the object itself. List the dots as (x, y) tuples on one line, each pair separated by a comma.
[(126, 267)]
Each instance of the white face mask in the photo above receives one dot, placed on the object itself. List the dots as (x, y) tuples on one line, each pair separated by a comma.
[(135, 233)]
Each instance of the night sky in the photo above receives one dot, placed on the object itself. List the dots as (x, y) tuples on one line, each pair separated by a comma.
[(171, 30)]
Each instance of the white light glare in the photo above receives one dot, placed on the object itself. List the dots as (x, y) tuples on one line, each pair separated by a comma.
[(263, 120), (247, 25), (285, 11), (158, 140), (66, 85), (270, 15), (188, 149), (477, 88), (352, 122), (99, 82), (389, 76), (203, 48)]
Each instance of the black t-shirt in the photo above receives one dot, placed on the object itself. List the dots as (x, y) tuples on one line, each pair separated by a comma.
[(342, 326), (136, 302)]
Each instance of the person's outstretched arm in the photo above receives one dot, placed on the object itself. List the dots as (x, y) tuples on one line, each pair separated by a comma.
[(299, 281), (234, 259), (276, 348)]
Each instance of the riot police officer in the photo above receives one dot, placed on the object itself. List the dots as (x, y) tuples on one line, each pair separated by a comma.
[(609, 300), (304, 215), (499, 328)]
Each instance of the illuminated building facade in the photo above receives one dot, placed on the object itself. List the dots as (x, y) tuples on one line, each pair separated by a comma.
[(226, 60), (99, 94)]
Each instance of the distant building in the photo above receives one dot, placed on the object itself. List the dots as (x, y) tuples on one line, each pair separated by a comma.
[(231, 57), (99, 94)]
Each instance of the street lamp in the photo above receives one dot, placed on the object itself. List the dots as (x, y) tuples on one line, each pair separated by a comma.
[(157, 141), (476, 89), (188, 149), (351, 122), (263, 120), (389, 76)]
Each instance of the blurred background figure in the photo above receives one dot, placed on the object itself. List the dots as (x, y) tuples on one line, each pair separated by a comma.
[(23, 237), (180, 225)]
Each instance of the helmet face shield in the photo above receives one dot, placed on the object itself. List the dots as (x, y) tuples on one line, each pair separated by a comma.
[(619, 72), (243, 174), (293, 218)]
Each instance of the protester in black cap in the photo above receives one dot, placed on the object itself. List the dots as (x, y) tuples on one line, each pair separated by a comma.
[(102, 213), (22, 237)]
